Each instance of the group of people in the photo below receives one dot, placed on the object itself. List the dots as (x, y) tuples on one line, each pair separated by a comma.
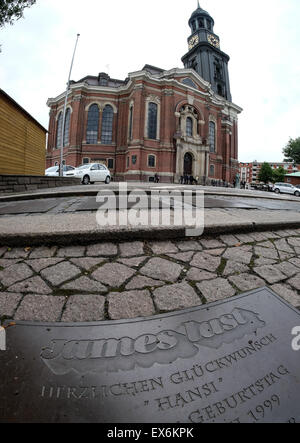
[(188, 180)]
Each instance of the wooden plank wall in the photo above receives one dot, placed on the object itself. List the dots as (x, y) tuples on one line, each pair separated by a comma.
[(22, 142)]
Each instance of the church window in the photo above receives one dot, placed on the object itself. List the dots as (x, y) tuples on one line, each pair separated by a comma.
[(85, 161), (110, 163), (152, 121), (194, 26), (189, 127), (220, 89), (208, 25), (130, 122), (212, 137), (107, 125), (212, 171), (59, 129), (134, 159), (92, 125), (67, 127), (151, 161)]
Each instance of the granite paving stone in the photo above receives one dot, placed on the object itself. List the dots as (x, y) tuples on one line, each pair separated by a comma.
[(133, 262), (3, 249), (131, 249), (239, 255), (287, 293), (130, 304), (40, 308), (87, 263), (267, 244), (60, 273), (295, 282), (160, 269), (43, 252), (189, 245), (211, 243), (34, 285), (17, 253), (195, 274), (85, 284), (217, 289), (177, 296), (161, 248), (233, 267), (247, 282), (215, 252), (245, 238), (39, 264), (287, 268), (285, 255), (266, 252), (14, 274), (295, 261), (229, 240), (259, 236), (102, 250), (293, 241), (71, 251), (5, 263), (183, 256), (206, 261), (141, 282), (270, 274), (264, 262), (283, 245), (84, 308), (9, 303), (113, 274)]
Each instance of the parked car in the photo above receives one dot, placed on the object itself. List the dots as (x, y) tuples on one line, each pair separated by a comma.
[(93, 172), (286, 188), (54, 171)]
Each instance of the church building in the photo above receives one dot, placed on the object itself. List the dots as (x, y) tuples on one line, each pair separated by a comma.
[(166, 122)]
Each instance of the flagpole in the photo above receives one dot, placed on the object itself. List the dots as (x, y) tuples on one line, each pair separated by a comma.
[(61, 169)]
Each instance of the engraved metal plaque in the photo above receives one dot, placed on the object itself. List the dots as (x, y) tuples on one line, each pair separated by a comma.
[(232, 361)]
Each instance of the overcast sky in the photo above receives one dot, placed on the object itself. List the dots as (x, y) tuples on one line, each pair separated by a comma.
[(262, 38)]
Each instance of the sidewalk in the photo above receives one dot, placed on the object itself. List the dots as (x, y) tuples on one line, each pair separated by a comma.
[(112, 281)]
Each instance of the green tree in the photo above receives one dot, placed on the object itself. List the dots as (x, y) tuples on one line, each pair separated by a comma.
[(279, 174), (266, 173), (292, 151), (11, 10)]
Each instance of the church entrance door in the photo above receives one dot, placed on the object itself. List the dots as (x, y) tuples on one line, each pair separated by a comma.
[(188, 164)]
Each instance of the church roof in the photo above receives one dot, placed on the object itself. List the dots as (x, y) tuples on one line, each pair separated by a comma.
[(199, 12)]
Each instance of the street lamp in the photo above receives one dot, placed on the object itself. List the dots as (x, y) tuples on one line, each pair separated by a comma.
[(61, 169)]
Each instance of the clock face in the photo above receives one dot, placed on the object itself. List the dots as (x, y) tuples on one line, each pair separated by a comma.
[(193, 41), (213, 40)]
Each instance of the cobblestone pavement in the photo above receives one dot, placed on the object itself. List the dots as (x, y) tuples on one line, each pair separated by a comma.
[(110, 281)]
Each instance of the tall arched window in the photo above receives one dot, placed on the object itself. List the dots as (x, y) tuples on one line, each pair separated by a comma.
[(67, 127), (212, 137), (130, 122), (59, 129), (212, 171), (92, 125), (107, 125), (189, 127), (152, 121)]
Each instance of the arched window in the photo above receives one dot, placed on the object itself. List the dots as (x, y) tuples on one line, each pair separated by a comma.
[(130, 122), (212, 137), (152, 121), (59, 129), (189, 127), (92, 125), (151, 161), (212, 171), (67, 127), (107, 125)]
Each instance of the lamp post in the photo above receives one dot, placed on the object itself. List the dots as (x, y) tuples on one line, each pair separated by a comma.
[(61, 168)]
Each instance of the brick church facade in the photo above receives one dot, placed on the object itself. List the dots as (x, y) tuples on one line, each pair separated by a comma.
[(175, 122)]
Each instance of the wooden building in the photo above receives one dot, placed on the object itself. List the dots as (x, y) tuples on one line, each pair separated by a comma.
[(22, 140)]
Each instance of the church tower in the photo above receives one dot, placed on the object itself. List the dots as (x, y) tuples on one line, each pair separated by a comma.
[(205, 55)]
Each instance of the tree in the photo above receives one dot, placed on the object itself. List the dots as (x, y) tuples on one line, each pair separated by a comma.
[(292, 151), (266, 173), (11, 10), (278, 175)]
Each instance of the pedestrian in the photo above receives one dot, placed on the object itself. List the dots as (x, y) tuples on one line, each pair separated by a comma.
[(181, 180), (156, 179)]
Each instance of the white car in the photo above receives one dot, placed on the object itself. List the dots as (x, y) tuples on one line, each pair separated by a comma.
[(286, 188), (93, 172), (69, 171)]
